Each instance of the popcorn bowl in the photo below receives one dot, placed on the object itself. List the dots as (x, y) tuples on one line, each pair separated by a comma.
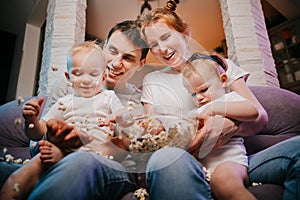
[(160, 127)]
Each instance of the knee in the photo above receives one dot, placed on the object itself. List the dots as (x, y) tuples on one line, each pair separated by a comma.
[(228, 176), (83, 160), (217, 181), (80, 158), (92, 161), (167, 157)]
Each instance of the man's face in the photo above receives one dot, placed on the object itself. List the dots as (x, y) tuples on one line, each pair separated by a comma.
[(122, 56)]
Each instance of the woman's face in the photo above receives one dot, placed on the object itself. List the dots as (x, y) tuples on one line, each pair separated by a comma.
[(168, 45)]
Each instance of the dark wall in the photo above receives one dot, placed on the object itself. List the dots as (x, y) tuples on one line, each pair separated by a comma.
[(7, 46)]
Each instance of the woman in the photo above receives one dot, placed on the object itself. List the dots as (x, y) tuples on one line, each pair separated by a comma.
[(172, 169), (169, 39)]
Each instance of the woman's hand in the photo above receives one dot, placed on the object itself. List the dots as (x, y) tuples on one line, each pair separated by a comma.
[(65, 136), (216, 131)]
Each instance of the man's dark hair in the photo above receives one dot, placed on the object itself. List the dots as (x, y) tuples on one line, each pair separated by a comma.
[(131, 29)]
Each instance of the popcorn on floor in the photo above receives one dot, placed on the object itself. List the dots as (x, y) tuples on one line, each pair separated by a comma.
[(16, 187), (141, 193)]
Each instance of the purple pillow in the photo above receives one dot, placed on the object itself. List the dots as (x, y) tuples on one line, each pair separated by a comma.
[(283, 108)]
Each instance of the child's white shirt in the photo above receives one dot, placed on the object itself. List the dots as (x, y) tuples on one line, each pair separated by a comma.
[(234, 150), (84, 113)]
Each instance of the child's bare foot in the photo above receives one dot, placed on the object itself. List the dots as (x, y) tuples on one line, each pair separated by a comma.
[(50, 154)]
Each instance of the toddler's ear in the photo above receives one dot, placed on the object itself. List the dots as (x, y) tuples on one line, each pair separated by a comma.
[(224, 79), (69, 81), (104, 76), (67, 76)]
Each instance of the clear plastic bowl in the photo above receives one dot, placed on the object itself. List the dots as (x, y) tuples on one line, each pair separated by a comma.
[(161, 127)]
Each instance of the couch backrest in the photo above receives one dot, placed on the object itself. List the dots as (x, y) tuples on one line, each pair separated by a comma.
[(283, 108)]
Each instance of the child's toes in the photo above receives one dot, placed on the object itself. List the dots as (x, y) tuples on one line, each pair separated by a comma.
[(45, 143)]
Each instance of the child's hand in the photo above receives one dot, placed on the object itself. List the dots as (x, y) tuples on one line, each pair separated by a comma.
[(32, 108), (110, 122), (216, 131), (152, 126), (207, 112), (207, 136)]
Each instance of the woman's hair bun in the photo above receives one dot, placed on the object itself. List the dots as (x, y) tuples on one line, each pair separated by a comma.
[(172, 4)]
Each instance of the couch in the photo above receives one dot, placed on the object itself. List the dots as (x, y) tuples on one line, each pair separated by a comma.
[(282, 106)]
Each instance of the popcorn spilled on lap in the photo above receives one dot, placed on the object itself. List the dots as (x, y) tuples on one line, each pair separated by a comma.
[(16, 187), (10, 158), (208, 173), (141, 194)]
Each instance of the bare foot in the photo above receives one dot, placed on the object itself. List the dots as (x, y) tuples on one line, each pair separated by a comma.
[(50, 154)]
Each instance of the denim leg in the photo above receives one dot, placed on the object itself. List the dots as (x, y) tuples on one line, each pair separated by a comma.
[(173, 173), (280, 165), (6, 169), (84, 175), (34, 148)]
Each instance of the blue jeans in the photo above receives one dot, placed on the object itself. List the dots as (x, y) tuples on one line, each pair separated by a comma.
[(173, 173), (6, 169), (84, 175), (280, 165)]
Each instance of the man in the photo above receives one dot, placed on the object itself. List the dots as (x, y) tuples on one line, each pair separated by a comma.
[(126, 53), (93, 178)]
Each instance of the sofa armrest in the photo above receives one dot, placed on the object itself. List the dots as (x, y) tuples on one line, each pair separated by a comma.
[(282, 107), (12, 135)]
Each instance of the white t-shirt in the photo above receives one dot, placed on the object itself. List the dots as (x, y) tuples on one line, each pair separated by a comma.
[(130, 94), (234, 150), (165, 87), (234, 72), (61, 88), (84, 113)]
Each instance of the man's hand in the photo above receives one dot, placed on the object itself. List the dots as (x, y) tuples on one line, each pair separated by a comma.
[(216, 131), (121, 141), (65, 136)]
